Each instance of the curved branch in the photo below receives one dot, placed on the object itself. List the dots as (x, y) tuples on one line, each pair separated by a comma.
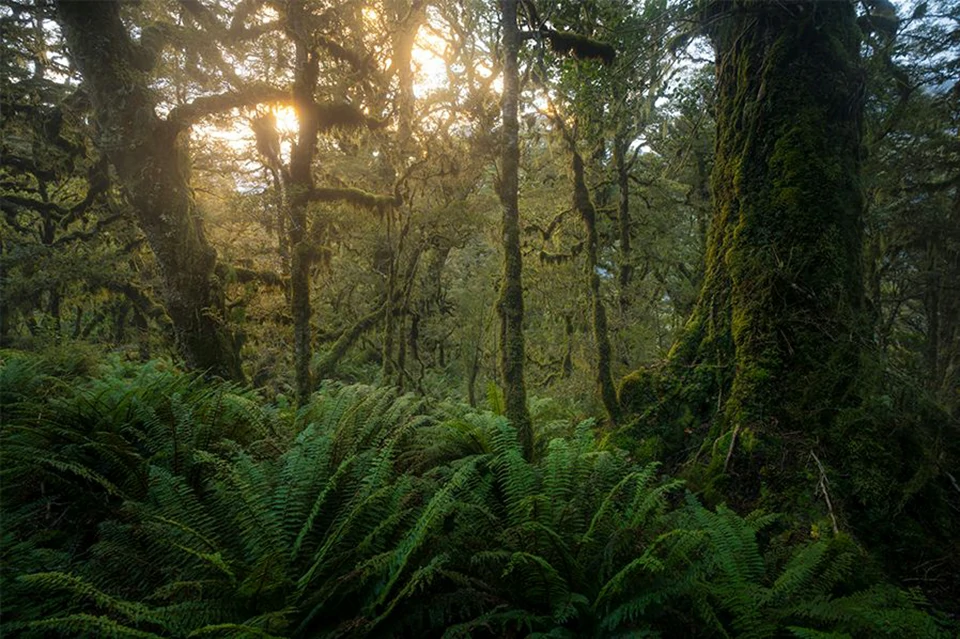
[(186, 115), (91, 233)]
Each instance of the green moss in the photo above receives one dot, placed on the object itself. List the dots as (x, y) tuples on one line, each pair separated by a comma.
[(773, 345), (639, 391)]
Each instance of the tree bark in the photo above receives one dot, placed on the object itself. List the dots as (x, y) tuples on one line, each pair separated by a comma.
[(346, 340), (510, 303), (299, 187), (150, 158), (620, 147), (584, 206), (773, 344)]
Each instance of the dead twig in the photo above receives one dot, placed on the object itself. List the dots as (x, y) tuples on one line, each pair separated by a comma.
[(822, 488)]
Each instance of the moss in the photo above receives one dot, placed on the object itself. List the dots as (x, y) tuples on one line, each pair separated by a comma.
[(772, 347), (344, 117), (639, 390), (355, 197), (580, 46)]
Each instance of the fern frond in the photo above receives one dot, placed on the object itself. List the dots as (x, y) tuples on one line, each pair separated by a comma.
[(440, 505), (79, 588), (86, 625), (318, 503), (800, 572), (239, 631)]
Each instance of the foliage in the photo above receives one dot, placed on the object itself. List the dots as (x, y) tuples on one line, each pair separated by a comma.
[(146, 502), (359, 246)]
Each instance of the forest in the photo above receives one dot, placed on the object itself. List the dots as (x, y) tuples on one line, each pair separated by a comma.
[(452, 318)]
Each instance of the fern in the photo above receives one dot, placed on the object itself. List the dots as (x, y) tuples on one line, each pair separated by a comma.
[(175, 507), (86, 625)]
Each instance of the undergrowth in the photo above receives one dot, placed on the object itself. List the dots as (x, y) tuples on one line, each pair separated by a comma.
[(138, 501)]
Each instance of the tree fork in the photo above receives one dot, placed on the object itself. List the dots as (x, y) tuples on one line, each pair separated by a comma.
[(148, 154)]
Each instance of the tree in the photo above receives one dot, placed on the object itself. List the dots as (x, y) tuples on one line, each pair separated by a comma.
[(150, 156), (912, 181), (510, 303), (317, 52), (774, 342)]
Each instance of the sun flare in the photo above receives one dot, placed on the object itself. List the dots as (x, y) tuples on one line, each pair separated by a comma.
[(429, 61), (287, 122)]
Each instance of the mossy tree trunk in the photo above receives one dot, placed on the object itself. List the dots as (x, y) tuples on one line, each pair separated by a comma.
[(510, 303), (409, 18), (622, 169), (588, 214), (150, 158), (947, 334), (299, 188), (772, 347)]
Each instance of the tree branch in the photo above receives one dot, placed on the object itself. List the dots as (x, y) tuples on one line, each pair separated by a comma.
[(86, 235), (26, 165), (346, 340), (33, 205), (356, 197), (344, 116), (186, 115), (245, 275), (343, 54)]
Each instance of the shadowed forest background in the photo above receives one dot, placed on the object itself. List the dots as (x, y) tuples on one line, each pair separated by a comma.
[(416, 318)]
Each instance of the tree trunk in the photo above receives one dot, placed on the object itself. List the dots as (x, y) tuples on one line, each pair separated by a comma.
[(150, 159), (409, 19), (620, 145), (774, 341), (567, 365), (584, 206), (298, 189), (510, 304)]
